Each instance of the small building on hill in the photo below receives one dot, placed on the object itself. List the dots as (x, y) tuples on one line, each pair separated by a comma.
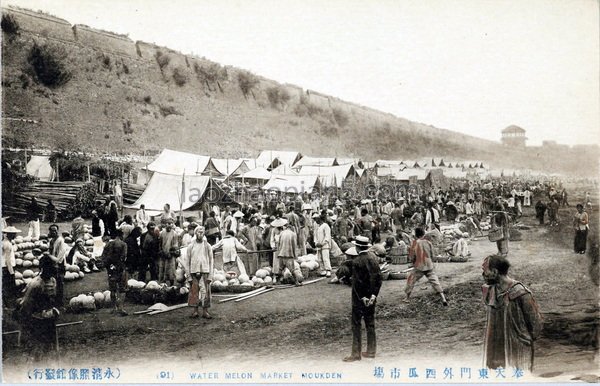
[(514, 136)]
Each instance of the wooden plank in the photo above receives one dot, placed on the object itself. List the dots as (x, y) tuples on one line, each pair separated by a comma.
[(168, 309), (286, 286), (256, 294), (242, 295), (68, 324)]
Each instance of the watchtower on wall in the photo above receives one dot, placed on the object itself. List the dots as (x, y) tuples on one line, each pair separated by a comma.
[(514, 136)]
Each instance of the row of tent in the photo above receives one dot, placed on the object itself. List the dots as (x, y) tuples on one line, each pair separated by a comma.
[(184, 179), (330, 171)]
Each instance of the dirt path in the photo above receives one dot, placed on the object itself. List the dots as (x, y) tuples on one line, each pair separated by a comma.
[(310, 326)]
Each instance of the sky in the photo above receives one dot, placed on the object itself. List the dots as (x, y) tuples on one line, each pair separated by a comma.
[(473, 66)]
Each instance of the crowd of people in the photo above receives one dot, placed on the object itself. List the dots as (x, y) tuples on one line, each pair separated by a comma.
[(358, 233)]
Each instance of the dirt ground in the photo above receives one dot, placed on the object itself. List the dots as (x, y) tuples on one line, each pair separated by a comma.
[(308, 327)]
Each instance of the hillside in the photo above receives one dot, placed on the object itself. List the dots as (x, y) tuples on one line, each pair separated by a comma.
[(122, 96)]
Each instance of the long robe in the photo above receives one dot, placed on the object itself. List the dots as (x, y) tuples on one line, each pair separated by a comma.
[(513, 323)]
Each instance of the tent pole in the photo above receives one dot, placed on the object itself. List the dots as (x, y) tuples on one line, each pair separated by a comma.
[(182, 198)]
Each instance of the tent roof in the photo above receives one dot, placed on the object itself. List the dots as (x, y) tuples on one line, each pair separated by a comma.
[(39, 166), (424, 162), (329, 175), (454, 173), (390, 170), (385, 162), (292, 184), (405, 174), (258, 174), (166, 189), (437, 161), (266, 158), (315, 161), (176, 162), (229, 167), (410, 163), (284, 170), (250, 163), (344, 161), (369, 165)]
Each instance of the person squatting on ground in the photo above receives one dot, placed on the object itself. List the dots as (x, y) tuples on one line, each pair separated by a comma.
[(420, 253), (581, 225), (513, 318), (199, 267), (37, 312), (79, 256), (114, 256), (366, 283)]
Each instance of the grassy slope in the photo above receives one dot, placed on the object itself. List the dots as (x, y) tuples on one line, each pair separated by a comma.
[(90, 110)]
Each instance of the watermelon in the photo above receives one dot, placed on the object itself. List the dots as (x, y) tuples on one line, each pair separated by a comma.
[(106, 297), (99, 299)]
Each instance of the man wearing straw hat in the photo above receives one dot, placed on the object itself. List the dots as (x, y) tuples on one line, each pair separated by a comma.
[(8, 265), (366, 283)]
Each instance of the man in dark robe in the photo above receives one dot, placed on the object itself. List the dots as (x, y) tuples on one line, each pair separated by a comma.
[(366, 283), (513, 318)]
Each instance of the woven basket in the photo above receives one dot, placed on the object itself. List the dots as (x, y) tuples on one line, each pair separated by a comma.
[(398, 275), (305, 272), (399, 259)]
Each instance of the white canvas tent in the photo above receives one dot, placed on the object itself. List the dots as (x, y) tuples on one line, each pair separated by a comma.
[(258, 176), (39, 167), (386, 162), (292, 184), (270, 159), (250, 163), (167, 189), (454, 173), (176, 162), (331, 176), (284, 170), (230, 167), (354, 161), (390, 170), (315, 161), (405, 174)]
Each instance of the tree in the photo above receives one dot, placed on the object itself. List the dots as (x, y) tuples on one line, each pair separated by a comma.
[(49, 63), (247, 82)]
